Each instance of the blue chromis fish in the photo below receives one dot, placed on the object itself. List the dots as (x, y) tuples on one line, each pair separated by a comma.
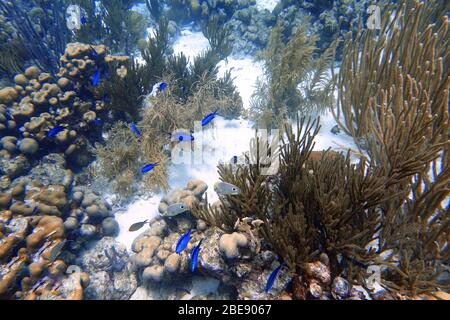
[(94, 52), (148, 167), (54, 132), (162, 86), (83, 20), (106, 99), (194, 256), (210, 117), (183, 242), (273, 276), (98, 122), (182, 137), (136, 131), (96, 79)]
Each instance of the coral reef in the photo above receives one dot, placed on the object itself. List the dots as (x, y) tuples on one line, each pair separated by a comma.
[(159, 266), (45, 220), (330, 19), (40, 102), (333, 207), (81, 128)]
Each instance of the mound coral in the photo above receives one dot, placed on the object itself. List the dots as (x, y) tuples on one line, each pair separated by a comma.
[(188, 196), (43, 219), (38, 223), (229, 244), (40, 102)]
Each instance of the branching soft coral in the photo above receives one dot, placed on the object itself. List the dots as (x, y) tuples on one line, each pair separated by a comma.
[(121, 158), (295, 82), (167, 112), (328, 204), (393, 98), (118, 158)]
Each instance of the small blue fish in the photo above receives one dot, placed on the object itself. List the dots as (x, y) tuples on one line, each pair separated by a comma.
[(106, 74), (162, 86), (183, 242), (54, 132), (184, 137), (273, 276), (210, 117), (148, 167), (180, 135), (98, 122), (94, 52), (96, 79), (106, 99), (35, 210), (136, 131), (194, 256), (83, 20)]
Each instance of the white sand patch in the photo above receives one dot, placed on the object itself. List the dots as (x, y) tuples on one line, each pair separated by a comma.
[(219, 141), (190, 43), (138, 211), (266, 4), (202, 286), (326, 139), (246, 72)]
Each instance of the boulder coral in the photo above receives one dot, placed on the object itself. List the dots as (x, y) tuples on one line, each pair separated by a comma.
[(229, 244), (41, 101), (189, 196), (155, 258), (37, 221)]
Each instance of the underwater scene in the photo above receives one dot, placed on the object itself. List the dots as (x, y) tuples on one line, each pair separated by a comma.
[(224, 150)]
